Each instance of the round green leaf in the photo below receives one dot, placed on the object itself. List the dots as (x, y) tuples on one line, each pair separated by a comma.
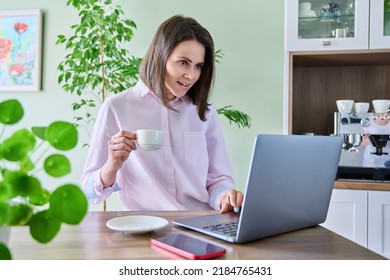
[(5, 253), (68, 204), (57, 165), (11, 111), (18, 145), (44, 227), (62, 135), (23, 184), (19, 215)]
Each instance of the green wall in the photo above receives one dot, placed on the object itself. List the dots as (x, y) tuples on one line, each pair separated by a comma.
[(249, 77)]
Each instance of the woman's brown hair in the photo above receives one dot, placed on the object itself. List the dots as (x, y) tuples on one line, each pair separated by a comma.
[(171, 33)]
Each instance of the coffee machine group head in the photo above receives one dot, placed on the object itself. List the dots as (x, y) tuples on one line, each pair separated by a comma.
[(354, 127)]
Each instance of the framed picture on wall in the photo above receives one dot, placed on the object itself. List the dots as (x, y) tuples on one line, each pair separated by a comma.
[(20, 50)]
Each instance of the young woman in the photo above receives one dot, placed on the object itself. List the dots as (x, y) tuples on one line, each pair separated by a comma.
[(192, 170)]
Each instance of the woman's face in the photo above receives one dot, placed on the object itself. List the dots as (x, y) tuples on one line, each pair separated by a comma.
[(183, 68)]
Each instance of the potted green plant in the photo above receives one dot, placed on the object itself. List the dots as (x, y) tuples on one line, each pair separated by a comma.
[(98, 62), (24, 155)]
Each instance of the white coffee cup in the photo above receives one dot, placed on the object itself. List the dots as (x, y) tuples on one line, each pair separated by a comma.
[(340, 33), (362, 107), (381, 105), (304, 6), (149, 139), (345, 105)]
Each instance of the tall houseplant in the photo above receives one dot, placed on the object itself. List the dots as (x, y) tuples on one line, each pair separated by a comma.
[(24, 157), (97, 62)]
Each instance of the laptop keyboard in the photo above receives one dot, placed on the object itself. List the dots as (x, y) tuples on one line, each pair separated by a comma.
[(229, 229)]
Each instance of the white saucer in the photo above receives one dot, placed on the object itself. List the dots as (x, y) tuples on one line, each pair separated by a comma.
[(136, 224)]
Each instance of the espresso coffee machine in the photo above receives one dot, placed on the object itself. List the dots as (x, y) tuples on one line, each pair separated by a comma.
[(366, 147)]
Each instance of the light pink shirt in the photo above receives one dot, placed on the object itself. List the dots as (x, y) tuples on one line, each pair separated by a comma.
[(191, 171)]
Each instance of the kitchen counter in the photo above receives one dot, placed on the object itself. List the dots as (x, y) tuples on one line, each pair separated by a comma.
[(362, 185)]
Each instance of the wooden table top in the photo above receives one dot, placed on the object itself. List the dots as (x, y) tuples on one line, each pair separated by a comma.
[(92, 240)]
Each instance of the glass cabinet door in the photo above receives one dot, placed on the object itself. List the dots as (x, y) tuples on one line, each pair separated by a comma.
[(380, 24), (326, 24)]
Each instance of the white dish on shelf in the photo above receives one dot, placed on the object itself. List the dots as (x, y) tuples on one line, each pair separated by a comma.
[(134, 224)]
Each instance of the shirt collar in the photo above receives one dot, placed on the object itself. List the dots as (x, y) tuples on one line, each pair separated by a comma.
[(142, 89)]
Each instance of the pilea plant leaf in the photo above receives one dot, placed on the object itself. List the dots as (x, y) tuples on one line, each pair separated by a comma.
[(44, 227), (11, 111), (68, 204), (18, 145), (62, 135), (22, 184), (57, 165)]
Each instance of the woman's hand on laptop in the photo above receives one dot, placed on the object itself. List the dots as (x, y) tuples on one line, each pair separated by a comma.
[(231, 200)]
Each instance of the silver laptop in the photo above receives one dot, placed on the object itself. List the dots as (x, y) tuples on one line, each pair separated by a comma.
[(289, 187)]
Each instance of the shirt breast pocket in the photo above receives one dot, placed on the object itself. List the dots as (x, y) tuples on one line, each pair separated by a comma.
[(195, 149)]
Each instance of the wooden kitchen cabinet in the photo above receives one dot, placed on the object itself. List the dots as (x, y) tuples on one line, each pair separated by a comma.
[(362, 216)]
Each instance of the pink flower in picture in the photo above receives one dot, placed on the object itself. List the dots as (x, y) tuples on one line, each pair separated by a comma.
[(16, 70), (20, 27)]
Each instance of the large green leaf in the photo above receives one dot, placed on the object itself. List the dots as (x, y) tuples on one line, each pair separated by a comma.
[(11, 111), (18, 145), (44, 227), (57, 165), (22, 184), (69, 204), (62, 135)]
